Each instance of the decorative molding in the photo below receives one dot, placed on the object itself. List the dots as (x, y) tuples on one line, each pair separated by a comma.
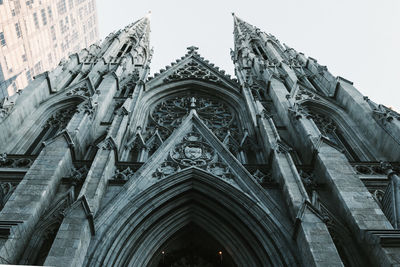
[(384, 114), (60, 118), (6, 228), (386, 238), (192, 70), (193, 151), (78, 176), (88, 107), (14, 161), (122, 174), (6, 190), (169, 114), (107, 144)]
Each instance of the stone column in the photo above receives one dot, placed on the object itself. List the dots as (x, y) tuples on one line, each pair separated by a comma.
[(72, 241), (32, 196), (354, 203), (311, 234)]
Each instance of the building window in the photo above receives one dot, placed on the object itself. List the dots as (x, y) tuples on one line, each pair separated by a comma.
[(44, 18), (53, 33), (62, 28), (18, 30), (14, 85), (56, 123), (35, 20), (1, 2), (50, 12), (2, 39), (38, 67), (28, 75), (24, 59), (61, 7)]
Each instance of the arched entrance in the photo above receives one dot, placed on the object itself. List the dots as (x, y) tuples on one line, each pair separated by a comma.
[(191, 215)]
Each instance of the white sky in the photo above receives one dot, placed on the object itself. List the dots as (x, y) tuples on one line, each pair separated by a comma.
[(358, 39)]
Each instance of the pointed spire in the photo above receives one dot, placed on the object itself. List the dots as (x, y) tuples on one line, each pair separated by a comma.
[(241, 27)]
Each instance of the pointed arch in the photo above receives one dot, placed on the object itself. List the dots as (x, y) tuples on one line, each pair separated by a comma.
[(45, 231), (53, 122), (347, 134), (32, 127), (156, 94), (136, 233)]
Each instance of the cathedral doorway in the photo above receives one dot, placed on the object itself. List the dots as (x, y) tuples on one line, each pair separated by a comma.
[(192, 247)]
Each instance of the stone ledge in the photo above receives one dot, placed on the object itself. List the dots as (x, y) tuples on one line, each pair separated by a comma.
[(386, 238)]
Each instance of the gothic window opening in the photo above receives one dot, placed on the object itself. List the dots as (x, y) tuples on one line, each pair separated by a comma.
[(124, 50), (6, 190), (258, 50), (169, 114), (45, 232), (55, 124), (330, 129), (121, 51)]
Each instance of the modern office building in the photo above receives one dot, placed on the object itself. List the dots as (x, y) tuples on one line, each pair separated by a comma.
[(36, 34)]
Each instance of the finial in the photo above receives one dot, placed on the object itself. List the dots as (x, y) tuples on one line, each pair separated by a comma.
[(192, 49), (148, 15), (193, 103)]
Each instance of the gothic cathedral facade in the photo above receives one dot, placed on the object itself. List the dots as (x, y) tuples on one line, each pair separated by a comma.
[(284, 165)]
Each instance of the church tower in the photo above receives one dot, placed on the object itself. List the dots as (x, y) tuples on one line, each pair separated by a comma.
[(286, 165)]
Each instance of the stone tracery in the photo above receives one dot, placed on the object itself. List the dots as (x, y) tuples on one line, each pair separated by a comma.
[(168, 114)]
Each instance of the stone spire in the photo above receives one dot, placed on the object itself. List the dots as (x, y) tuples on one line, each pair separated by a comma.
[(241, 27)]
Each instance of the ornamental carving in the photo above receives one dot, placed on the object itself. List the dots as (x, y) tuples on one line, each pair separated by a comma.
[(369, 169), (192, 70), (324, 123), (170, 113), (6, 189), (193, 152), (80, 91), (5, 107), (15, 162), (261, 177), (87, 107), (384, 114), (123, 174), (78, 176), (60, 118), (303, 94)]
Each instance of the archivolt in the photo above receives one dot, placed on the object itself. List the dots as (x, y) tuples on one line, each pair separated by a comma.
[(186, 87), (136, 233)]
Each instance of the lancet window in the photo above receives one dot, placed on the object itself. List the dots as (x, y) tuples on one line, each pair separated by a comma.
[(56, 123), (328, 127)]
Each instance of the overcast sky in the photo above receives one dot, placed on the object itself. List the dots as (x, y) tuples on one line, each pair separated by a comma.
[(358, 39)]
